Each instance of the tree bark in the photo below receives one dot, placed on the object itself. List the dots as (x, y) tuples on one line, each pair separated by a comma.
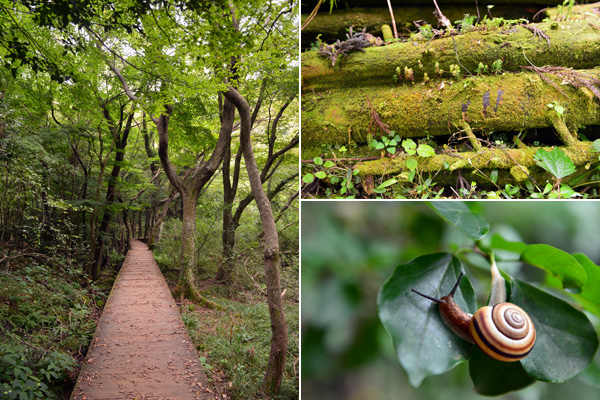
[(276, 365), (121, 141), (189, 190)]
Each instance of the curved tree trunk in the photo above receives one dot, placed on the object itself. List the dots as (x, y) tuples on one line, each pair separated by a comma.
[(276, 365)]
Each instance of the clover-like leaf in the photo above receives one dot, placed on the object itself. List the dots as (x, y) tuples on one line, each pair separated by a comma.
[(461, 216), (556, 162), (424, 345)]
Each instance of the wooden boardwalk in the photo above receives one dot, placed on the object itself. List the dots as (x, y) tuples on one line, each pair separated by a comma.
[(141, 349)]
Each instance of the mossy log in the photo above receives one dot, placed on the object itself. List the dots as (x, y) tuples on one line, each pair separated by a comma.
[(335, 25), (308, 5), (574, 44), (511, 102), (519, 162)]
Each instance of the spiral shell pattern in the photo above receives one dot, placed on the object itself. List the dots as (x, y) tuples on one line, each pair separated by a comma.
[(504, 331)]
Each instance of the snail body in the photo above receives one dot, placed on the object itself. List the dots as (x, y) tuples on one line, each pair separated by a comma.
[(503, 331)]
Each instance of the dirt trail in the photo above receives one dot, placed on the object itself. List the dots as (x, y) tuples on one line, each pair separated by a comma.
[(141, 349)]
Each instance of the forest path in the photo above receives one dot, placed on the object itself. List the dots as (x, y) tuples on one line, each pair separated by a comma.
[(141, 349)]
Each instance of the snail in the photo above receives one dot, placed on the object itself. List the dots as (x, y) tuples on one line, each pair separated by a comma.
[(502, 330)]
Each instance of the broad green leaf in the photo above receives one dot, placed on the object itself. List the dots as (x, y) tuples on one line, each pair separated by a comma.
[(411, 164), (493, 378), (379, 146), (318, 160), (556, 162), (557, 262), (391, 150), (459, 215), (424, 345), (328, 164), (321, 174), (590, 292), (409, 146), (308, 178), (425, 150), (566, 341), (596, 145), (499, 243)]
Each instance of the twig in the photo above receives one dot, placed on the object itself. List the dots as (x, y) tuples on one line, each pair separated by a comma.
[(312, 15), (393, 19), (344, 159)]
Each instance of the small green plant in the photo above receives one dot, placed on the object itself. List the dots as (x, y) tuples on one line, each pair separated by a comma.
[(557, 163), (497, 67), (337, 175), (560, 110), (426, 31), (567, 8), (481, 69), (467, 23), (455, 71), (387, 143)]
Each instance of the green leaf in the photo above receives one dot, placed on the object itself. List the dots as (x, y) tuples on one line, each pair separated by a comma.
[(391, 150), (565, 341), (556, 162), (308, 178), (379, 146), (328, 164), (318, 160), (321, 174), (461, 216), (493, 378), (557, 262), (411, 164), (590, 292), (596, 145), (343, 149), (387, 183), (392, 142), (494, 175), (409, 146), (499, 243), (424, 346), (425, 150)]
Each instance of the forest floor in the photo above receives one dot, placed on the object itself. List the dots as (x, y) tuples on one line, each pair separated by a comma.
[(141, 348)]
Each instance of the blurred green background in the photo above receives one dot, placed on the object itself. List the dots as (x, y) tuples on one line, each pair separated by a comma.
[(349, 248)]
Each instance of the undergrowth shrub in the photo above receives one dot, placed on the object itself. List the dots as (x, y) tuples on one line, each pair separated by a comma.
[(45, 328)]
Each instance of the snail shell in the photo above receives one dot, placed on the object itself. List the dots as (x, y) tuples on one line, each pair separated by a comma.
[(504, 331)]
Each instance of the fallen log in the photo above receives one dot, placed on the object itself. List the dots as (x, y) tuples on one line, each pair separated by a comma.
[(330, 27), (573, 44), (511, 102)]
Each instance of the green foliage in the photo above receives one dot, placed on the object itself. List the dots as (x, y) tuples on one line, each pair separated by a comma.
[(555, 162), (560, 110), (45, 316), (240, 348), (497, 67), (461, 216), (335, 174), (467, 23), (427, 347), (387, 143)]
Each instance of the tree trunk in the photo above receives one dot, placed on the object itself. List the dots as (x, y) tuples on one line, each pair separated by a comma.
[(276, 365), (121, 141)]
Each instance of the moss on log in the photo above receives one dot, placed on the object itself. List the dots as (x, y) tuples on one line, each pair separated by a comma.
[(519, 161), (574, 44), (335, 25), (510, 102)]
